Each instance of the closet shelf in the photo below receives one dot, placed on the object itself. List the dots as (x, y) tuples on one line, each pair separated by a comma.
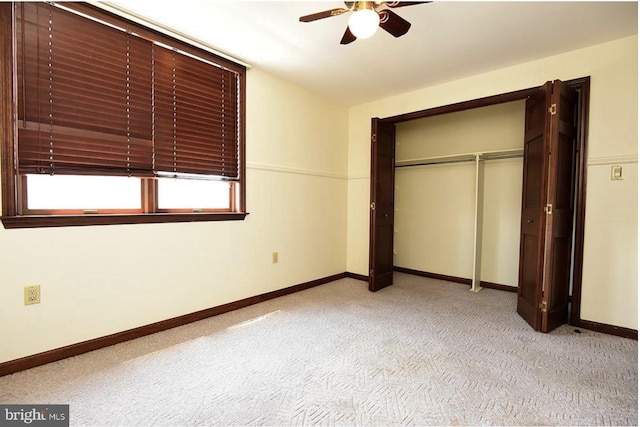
[(465, 157)]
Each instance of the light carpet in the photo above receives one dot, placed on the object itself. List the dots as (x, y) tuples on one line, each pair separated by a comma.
[(421, 352)]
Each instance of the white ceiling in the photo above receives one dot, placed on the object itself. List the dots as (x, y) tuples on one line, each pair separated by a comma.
[(448, 40)]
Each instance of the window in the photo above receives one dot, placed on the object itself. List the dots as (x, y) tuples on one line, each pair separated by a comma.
[(115, 123)]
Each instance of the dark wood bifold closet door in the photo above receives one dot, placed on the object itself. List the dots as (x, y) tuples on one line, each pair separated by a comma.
[(547, 206), (383, 135)]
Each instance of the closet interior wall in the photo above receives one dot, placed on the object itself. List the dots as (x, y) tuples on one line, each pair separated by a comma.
[(458, 194)]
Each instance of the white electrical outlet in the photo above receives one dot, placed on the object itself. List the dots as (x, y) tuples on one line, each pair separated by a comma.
[(32, 294), (274, 257)]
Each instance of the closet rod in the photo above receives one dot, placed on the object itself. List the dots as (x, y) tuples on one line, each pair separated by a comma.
[(501, 156), (461, 160), (436, 162)]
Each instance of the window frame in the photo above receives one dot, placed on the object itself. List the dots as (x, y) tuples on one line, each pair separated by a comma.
[(14, 211)]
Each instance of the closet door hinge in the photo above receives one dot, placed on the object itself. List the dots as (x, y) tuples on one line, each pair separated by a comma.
[(373, 206), (371, 272), (553, 109), (548, 208), (543, 306), (374, 137)]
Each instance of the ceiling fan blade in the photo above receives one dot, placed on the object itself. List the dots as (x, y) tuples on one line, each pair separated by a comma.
[(348, 37), (393, 23), (321, 15), (394, 4)]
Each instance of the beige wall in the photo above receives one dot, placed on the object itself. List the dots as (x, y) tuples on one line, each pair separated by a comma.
[(501, 221), (610, 279), (105, 279), (497, 127)]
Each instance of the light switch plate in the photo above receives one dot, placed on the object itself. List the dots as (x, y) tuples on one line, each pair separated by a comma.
[(616, 173)]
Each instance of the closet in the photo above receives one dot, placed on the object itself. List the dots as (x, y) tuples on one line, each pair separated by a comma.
[(458, 189), (553, 179)]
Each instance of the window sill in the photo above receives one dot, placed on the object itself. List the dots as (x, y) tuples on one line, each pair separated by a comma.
[(37, 221)]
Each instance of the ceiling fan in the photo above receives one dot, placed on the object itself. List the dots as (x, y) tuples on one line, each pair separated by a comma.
[(366, 16)]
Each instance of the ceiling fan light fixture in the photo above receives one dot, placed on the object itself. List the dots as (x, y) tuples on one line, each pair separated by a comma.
[(363, 23)]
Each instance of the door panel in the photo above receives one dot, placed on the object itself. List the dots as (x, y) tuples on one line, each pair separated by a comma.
[(382, 204), (533, 200), (563, 138), (548, 179)]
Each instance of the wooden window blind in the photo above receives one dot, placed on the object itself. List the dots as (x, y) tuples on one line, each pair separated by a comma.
[(96, 98), (196, 116)]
